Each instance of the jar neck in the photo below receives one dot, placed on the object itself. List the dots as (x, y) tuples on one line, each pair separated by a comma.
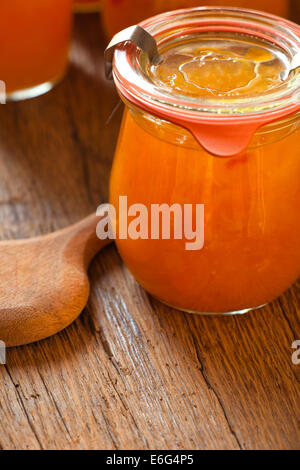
[(179, 136)]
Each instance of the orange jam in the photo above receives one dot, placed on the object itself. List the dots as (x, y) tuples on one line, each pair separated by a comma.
[(251, 251), (34, 39), (118, 14), (219, 68)]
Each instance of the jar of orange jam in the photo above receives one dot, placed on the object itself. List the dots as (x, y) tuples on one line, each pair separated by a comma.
[(87, 6), (34, 45), (214, 122), (118, 14)]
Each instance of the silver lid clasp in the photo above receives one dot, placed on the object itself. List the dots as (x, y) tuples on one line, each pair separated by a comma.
[(138, 36)]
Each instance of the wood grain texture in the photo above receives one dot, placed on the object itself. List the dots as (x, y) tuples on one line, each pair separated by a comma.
[(130, 373), (44, 284)]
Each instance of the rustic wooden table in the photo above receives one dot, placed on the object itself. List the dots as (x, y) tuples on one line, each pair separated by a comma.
[(130, 373)]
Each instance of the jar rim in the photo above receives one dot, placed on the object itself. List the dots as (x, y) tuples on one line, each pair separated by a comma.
[(129, 61), (222, 129)]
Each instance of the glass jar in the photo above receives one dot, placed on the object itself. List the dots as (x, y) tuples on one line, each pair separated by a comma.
[(235, 153), (87, 6), (34, 38), (118, 14)]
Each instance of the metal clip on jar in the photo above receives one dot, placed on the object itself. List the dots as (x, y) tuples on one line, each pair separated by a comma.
[(214, 122)]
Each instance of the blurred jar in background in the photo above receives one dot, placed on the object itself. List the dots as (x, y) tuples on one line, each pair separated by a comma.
[(34, 45), (87, 6), (118, 14)]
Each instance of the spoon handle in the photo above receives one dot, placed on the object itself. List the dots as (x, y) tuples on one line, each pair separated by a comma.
[(82, 239)]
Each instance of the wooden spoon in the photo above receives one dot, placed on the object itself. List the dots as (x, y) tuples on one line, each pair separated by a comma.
[(43, 281)]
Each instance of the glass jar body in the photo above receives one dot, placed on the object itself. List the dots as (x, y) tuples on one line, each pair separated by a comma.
[(117, 15), (34, 38), (251, 251)]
